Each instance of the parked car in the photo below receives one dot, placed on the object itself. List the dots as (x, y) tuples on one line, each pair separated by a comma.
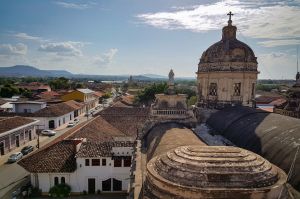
[(15, 157), (87, 114), (48, 132), (71, 124), (76, 120), (26, 150)]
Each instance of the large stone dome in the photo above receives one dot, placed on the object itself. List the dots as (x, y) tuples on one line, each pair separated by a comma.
[(212, 172), (229, 49)]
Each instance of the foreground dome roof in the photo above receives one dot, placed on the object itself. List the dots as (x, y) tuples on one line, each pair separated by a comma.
[(229, 49), (196, 169)]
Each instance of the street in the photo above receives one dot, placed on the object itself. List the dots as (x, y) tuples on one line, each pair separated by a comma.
[(12, 175)]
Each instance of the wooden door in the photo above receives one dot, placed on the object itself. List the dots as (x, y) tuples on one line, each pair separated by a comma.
[(91, 185), (17, 141)]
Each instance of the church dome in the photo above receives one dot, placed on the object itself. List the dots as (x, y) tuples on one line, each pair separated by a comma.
[(210, 171), (229, 49)]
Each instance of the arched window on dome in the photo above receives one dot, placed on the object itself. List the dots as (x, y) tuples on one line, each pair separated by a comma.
[(213, 89)]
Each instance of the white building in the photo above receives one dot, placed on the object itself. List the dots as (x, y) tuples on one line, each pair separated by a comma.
[(95, 157), (28, 106), (56, 115), (85, 166), (15, 132)]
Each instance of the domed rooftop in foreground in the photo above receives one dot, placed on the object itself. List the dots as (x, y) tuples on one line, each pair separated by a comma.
[(212, 172)]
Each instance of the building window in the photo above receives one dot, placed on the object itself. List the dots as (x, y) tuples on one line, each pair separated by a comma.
[(56, 181), (70, 117), (62, 180), (103, 162), (27, 110), (64, 121), (213, 89), (127, 161), (87, 162), (237, 89), (95, 162), (117, 162), (58, 122)]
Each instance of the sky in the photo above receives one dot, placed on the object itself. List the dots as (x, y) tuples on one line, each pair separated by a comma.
[(132, 37)]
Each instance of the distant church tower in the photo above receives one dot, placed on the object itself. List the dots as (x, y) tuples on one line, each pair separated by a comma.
[(227, 72)]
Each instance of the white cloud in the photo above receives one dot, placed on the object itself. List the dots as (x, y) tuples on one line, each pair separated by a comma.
[(67, 48), (277, 65), (75, 5), (13, 50), (280, 42), (106, 58), (272, 20), (25, 36)]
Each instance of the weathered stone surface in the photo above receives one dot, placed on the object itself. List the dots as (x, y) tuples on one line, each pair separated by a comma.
[(212, 172), (231, 66)]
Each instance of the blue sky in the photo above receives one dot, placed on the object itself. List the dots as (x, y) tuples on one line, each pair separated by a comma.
[(142, 36)]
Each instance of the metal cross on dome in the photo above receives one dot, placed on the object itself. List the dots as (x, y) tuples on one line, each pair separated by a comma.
[(230, 14)]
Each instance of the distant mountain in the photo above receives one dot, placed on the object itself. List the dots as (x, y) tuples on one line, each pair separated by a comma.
[(155, 76), (23, 70), (60, 73), (30, 71)]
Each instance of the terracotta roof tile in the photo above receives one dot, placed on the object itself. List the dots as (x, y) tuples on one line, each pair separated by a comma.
[(10, 123), (54, 110), (127, 120), (98, 130), (101, 149), (57, 158), (74, 104)]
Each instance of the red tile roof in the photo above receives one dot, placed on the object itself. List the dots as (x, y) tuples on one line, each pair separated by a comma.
[(74, 104), (127, 120), (98, 130), (98, 93), (54, 110), (11, 123), (101, 149), (57, 158)]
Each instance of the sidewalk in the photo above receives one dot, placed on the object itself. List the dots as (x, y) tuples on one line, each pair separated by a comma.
[(43, 139), (3, 158)]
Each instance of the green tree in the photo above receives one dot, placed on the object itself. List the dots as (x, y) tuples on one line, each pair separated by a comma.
[(8, 91), (192, 101), (59, 83), (147, 95), (106, 95)]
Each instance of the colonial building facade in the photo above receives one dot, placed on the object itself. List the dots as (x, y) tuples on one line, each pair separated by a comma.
[(227, 72), (15, 132)]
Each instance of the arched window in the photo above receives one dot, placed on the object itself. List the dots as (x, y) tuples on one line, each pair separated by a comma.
[(237, 89), (56, 181), (213, 89), (62, 180)]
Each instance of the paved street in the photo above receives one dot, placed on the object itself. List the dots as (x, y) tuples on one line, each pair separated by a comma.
[(12, 175)]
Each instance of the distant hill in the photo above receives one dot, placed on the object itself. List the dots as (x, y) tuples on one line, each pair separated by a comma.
[(154, 76), (30, 71), (23, 70)]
